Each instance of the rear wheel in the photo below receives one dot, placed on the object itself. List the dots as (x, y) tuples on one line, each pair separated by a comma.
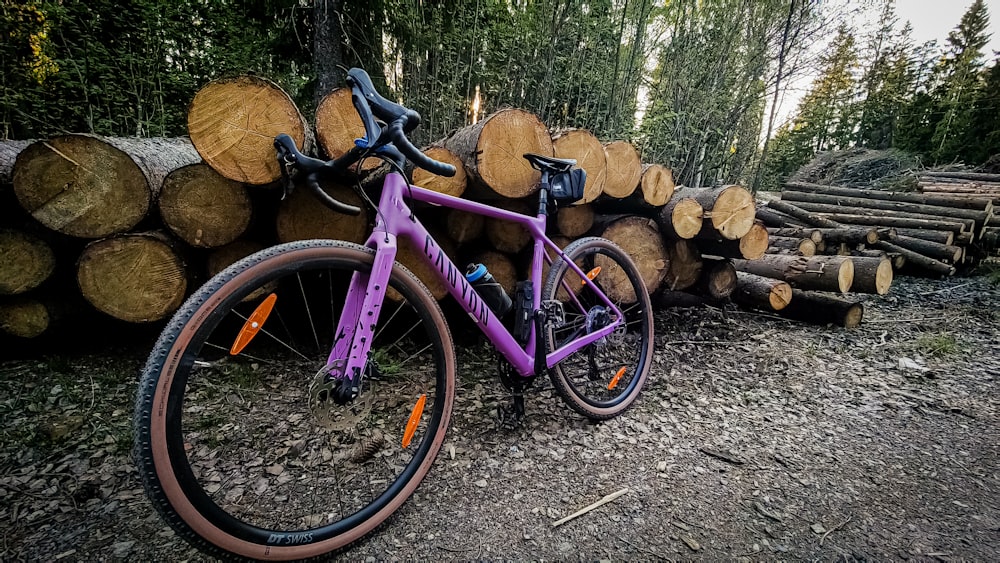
[(249, 453), (602, 379)]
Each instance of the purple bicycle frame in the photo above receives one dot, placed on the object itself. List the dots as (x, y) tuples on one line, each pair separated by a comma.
[(367, 291)]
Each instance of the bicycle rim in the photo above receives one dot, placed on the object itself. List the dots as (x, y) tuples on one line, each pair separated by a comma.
[(248, 453), (602, 379)]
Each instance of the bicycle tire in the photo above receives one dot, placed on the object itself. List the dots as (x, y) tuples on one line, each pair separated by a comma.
[(244, 507), (617, 366)]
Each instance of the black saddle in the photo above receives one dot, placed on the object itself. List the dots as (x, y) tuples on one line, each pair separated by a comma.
[(553, 165)]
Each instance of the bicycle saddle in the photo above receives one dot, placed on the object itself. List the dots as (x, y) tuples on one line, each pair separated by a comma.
[(549, 163)]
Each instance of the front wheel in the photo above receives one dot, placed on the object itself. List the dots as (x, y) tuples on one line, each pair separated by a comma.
[(602, 379), (243, 444)]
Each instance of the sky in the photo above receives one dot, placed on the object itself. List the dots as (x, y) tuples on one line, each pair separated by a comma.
[(933, 19)]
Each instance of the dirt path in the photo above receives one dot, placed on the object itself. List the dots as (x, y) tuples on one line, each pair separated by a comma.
[(757, 439)]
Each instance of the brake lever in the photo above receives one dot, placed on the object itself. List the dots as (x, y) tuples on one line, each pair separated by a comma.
[(286, 163)]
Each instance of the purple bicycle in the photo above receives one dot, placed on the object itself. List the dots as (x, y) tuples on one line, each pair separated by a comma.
[(299, 397)]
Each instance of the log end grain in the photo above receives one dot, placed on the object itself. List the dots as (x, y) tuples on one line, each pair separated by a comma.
[(25, 261), (640, 239), (657, 184), (780, 295), (233, 122), (733, 212), (463, 226), (754, 244), (508, 236), (24, 318), (505, 137), (587, 150), (575, 220), (204, 208), (624, 169), (684, 264), (845, 275), (81, 186), (454, 185), (136, 278), (687, 218), (301, 217)]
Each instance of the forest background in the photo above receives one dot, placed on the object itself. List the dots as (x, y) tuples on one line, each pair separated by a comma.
[(694, 84)]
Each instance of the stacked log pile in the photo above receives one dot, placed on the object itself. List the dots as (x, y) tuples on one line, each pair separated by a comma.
[(969, 190)]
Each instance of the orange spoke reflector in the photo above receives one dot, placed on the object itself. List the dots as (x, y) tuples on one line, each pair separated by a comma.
[(253, 324), (591, 275), (616, 378), (411, 425)]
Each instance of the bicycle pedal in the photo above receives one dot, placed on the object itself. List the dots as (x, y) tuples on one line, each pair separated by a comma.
[(555, 313)]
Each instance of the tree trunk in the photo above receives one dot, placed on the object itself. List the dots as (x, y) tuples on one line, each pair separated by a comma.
[(811, 219), (135, 277), (9, 150), (717, 279), (819, 308), (799, 246), (730, 208), (897, 222), (750, 246), (464, 227), (233, 122), (204, 208), (776, 219), (25, 261), (852, 235), (640, 239), (492, 151), (761, 292), (301, 217), (827, 210), (582, 146), (453, 185), (501, 267), (917, 259), (932, 249), (575, 220), (684, 264), (624, 169), (924, 199), (815, 235), (871, 275), (657, 184), (822, 273), (681, 217), (328, 51), (831, 203), (91, 187)]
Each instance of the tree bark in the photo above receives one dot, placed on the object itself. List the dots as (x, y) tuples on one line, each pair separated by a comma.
[(850, 234), (582, 146), (971, 176), (815, 235), (814, 202), (492, 151), (897, 222), (761, 292), (872, 275), (136, 277), (918, 260), (681, 217), (822, 309), (717, 279), (233, 122), (776, 219), (822, 273), (684, 264), (9, 150), (806, 217), (730, 208), (799, 246), (204, 208), (751, 246), (932, 249), (328, 51), (640, 239), (25, 261), (453, 185), (978, 204), (624, 169), (91, 187)]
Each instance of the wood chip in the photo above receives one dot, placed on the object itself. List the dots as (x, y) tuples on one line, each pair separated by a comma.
[(693, 545), (724, 456)]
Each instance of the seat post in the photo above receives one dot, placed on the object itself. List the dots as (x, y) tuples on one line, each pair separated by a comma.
[(543, 194)]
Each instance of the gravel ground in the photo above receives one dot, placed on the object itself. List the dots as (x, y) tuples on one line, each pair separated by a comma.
[(756, 439)]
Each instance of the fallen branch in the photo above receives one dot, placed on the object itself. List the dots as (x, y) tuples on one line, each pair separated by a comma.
[(594, 506)]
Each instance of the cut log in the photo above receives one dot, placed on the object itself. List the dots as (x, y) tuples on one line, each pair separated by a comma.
[(453, 185), (233, 122), (897, 222), (750, 246), (204, 208), (624, 169), (827, 210), (464, 227), (508, 236), (223, 257), (572, 281), (822, 273), (25, 317), (338, 125), (811, 219), (761, 292), (501, 267), (822, 309), (800, 246), (774, 218), (684, 264), (871, 275), (9, 150), (91, 187), (574, 221), (849, 234), (25, 261), (136, 277), (582, 146), (493, 150), (932, 249), (730, 208), (837, 204), (657, 184), (972, 176), (815, 235), (718, 278), (918, 260), (640, 239), (301, 217), (980, 204), (682, 299), (414, 260), (681, 217)]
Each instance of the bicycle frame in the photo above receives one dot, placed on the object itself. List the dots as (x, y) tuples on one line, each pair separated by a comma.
[(366, 293)]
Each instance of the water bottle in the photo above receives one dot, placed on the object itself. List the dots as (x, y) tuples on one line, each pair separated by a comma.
[(488, 289)]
